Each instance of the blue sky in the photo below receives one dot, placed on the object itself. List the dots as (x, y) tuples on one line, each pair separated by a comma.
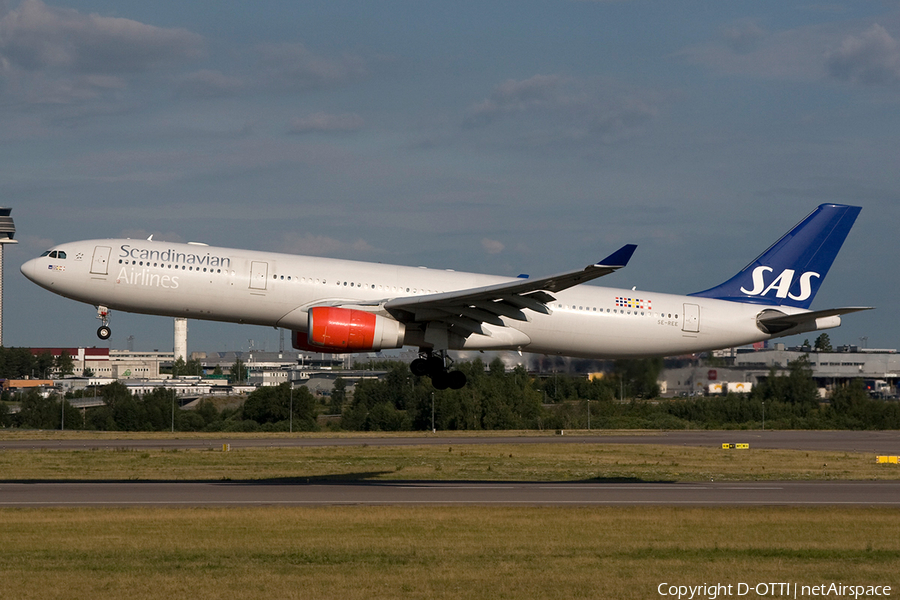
[(499, 137)]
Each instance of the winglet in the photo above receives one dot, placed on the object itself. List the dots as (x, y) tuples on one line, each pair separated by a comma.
[(619, 258)]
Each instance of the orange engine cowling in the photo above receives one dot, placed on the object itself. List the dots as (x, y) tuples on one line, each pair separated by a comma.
[(347, 330)]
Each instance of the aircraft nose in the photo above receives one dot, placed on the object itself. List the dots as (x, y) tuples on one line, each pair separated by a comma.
[(28, 269)]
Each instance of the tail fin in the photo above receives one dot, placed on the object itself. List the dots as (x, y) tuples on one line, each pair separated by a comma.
[(790, 272)]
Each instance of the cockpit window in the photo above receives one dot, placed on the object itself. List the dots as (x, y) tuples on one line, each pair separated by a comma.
[(54, 254), (46, 253), (61, 254)]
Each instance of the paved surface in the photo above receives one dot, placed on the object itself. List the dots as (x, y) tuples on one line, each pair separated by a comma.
[(815, 493), (126, 493), (878, 442)]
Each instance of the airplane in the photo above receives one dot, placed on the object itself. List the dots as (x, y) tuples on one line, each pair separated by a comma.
[(343, 306)]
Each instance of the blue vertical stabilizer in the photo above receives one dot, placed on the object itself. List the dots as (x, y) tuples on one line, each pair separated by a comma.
[(790, 272)]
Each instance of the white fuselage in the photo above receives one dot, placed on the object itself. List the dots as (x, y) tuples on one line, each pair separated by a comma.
[(263, 288)]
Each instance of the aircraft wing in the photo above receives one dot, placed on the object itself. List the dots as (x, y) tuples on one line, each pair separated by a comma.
[(466, 310), (774, 321)]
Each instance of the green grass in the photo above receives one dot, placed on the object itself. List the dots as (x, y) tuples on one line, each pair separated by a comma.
[(386, 552), (487, 462), (403, 552)]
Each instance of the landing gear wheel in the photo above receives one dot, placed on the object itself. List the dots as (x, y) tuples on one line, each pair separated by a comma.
[(440, 380), (435, 365), (103, 314), (456, 380), (419, 367)]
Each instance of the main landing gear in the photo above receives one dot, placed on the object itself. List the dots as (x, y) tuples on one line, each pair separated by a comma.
[(433, 365), (104, 331)]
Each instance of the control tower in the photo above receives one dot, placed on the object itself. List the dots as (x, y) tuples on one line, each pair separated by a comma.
[(7, 232)]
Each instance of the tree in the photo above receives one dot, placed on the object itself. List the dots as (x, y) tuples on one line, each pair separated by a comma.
[(16, 362), (37, 412), (43, 364), (238, 371), (179, 368), (823, 343), (338, 396), (640, 376), (64, 364), (272, 405), (193, 367)]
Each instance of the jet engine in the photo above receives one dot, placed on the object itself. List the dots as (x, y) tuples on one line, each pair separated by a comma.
[(334, 329)]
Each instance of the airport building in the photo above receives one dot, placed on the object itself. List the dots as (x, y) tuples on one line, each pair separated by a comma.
[(113, 364), (744, 368), (735, 370)]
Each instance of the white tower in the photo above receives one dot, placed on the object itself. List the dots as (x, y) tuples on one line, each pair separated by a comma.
[(7, 231), (181, 338)]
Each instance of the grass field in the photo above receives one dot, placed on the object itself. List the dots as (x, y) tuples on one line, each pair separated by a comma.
[(438, 552), (519, 462), (394, 552)]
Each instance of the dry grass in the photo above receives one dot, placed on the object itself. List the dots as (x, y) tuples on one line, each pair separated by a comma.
[(436, 552), (501, 462), (393, 552)]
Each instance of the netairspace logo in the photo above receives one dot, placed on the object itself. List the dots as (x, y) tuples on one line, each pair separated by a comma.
[(772, 590)]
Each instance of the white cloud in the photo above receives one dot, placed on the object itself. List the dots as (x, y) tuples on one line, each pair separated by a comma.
[(321, 245), (325, 122), (511, 96), (547, 109), (872, 58), (37, 37), (53, 56), (34, 244), (294, 67), (746, 49), (207, 83), (492, 246), (743, 35), (159, 236)]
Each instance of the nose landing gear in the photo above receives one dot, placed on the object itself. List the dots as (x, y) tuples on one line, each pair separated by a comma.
[(433, 365), (103, 332)]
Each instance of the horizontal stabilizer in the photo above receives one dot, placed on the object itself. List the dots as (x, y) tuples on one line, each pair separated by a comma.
[(775, 322)]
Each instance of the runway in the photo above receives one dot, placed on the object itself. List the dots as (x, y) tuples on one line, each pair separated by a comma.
[(770, 493), (589, 493)]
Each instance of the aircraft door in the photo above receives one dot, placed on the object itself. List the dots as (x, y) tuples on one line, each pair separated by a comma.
[(100, 262), (691, 323), (259, 273)]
